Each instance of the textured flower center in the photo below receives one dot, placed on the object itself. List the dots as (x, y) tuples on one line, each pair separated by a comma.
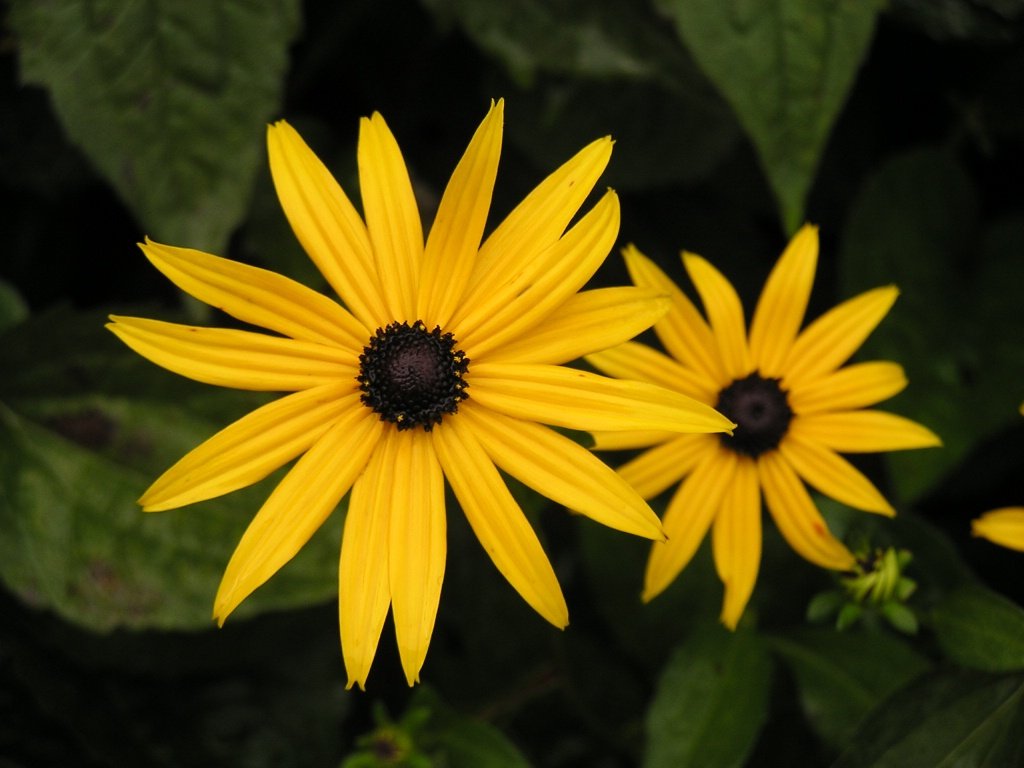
[(761, 412), (412, 376)]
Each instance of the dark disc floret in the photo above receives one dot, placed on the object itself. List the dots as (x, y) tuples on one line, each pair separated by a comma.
[(761, 411), (411, 376)]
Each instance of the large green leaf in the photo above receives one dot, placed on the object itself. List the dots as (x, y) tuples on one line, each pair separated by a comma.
[(786, 68), (843, 676), (957, 325), (946, 719), (85, 425), (168, 100), (980, 629), (711, 701), (12, 307)]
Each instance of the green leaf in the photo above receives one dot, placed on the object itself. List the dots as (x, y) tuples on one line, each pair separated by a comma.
[(957, 325), (711, 701), (85, 426), (980, 629), (945, 719), (785, 68), (843, 676), (168, 100), (13, 308)]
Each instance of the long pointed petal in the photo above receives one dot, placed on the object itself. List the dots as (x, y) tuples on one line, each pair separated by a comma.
[(833, 475), (392, 217), (664, 465), (780, 310), (417, 546), (455, 235), (364, 593), (534, 289), (1002, 526), (829, 341), (541, 218), (627, 440), (587, 321), (687, 519), (725, 313), (258, 296), (798, 519), (561, 470), (683, 331), (298, 507), (567, 397), (251, 448), (231, 358), (863, 431), (639, 362), (848, 388), (498, 522), (326, 224), (736, 541)]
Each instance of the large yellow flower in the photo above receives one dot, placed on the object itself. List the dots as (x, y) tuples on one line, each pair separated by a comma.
[(794, 406), (439, 365)]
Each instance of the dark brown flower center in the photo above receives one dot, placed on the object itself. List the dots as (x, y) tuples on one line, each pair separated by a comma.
[(411, 376), (761, 411)]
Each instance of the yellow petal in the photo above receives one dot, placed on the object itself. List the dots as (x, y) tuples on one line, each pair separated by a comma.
[(258, 296), (392, 217), (1002, 526), (736, 541), (232, 358), (586, 322), (725, 313), (363, 591), (497, 520), (829, 341), (664, 465), (298, 507), (326, 224), (417, 545), (250, 449), (683, 330), (850, 387), (796, 516), (639, 362), (626, 440), (561, 470), (459, 224), (687, 518), (534, 289), (541, 218), (863, 431), (567, 397), (780, 310), (833, 475)]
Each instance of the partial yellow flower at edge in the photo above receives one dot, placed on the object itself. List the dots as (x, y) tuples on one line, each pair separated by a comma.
[(443, 362), (1002, 526), (796, 408)]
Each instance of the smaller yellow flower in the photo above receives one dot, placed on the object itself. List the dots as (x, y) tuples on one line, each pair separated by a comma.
[(795, 406), (1002, 526)]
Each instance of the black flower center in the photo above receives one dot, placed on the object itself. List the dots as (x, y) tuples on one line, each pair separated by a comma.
[(412, 376), (761, 412)]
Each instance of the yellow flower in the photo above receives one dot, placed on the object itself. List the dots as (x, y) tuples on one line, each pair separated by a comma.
[(795, 408), (442, 361), (1002, 526)]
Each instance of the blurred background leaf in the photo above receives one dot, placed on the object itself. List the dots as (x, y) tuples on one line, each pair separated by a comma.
[(168, 101), (946, 718), (956, 327), (980, 629), (711, 701), (86, 426), (786, 69)]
